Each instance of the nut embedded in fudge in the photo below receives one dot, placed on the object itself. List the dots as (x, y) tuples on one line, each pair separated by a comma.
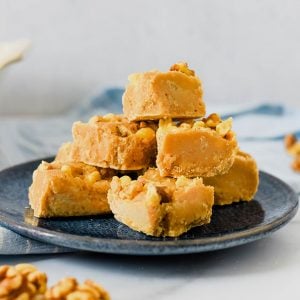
[(161, 206), (69, 189), (195, 148), (113, 142), (156, 95)]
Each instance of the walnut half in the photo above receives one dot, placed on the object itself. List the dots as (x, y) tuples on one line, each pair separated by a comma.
[(69, 289), (22, 282), (26, 282), (296, 164), (182, 67), (292, 146)]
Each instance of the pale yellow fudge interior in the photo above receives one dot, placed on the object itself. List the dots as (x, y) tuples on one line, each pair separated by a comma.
[(114, 142), (69, 189), (155, 95), (161, 206), (195, 148), (240, 183)]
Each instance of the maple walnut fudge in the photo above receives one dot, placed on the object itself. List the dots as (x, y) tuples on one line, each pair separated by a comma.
[(113, 142), (156, 95), (240, 183), (161, 206), (195, 148), (69, 189), (66, 153)]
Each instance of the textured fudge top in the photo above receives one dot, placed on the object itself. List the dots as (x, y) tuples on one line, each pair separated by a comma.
[(180, 70), (213, 124), (120, 126), (112, 141), (153, 175), (74, 170), (166, 186)]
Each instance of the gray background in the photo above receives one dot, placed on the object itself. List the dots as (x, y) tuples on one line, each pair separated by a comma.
[(244, 51)]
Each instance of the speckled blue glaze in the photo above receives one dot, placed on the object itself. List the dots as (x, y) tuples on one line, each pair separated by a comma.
[(274, 205)]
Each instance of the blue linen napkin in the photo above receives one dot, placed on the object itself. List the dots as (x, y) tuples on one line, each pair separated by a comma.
[(260, 129)]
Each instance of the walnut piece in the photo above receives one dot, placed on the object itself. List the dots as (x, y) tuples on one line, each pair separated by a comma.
[(22, 282), (224, 127), (296, 164), (69, 289), (182, 67), (289, 140), (215, 122), (212, 120), (146, 133), (292, 146), (294, 149), (26, 282)]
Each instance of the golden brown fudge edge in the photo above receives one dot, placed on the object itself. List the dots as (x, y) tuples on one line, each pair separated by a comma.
[(119, 145), (155, 95), (69, 189), (192, 148), (145, 205), (239, 184)]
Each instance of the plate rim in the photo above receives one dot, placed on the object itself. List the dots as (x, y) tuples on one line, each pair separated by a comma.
[(173, 246)]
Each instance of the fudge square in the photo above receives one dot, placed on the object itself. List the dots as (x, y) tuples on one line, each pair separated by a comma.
[(239, 184), (156, 95), (195, 148), (113, 142), (161, 206), (66, 153), (69, 189)]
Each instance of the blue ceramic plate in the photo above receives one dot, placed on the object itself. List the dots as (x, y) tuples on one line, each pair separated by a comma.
[(274, 205)]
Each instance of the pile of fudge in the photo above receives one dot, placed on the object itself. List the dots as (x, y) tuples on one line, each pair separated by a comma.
[(159, 168)]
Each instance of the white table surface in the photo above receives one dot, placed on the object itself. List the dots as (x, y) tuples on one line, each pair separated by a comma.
[(266, 268)]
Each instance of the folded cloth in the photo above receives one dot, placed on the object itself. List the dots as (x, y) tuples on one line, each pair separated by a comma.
[(23, 138), (260, 130)]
